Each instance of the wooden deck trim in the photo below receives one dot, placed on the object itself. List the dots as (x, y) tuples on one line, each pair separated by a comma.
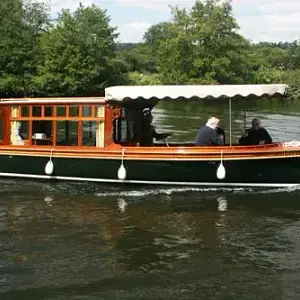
[(150, 153)]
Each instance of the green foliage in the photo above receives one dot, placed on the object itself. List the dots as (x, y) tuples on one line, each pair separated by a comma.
[(292, 77), (266, 75), (136, 78), (79, 54), (200, 46), (157, 34), (138, 59), (22, 23), (267, 56)]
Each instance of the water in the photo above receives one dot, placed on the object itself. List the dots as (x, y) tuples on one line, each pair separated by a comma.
[(89, 241)]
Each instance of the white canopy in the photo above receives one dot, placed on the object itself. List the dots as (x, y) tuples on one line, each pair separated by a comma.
[(164, 92)]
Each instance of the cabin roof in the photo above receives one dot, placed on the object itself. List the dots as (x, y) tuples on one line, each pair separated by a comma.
[(174, 92), (53, 100)]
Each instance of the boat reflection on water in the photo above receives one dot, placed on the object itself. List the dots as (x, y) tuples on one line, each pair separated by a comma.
[(139, 234), (222, 220), (48, 200), (122, 204), (222, 204)]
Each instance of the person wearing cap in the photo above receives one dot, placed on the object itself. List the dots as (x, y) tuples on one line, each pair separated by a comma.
[(256, 135), (148, 131), (210, 134)]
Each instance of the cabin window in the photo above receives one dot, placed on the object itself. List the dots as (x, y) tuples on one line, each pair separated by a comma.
[(48, 111), (42, 132), (86, 111), (61, 111), (89, 133), (61, 125), (124, 131), (67, 133), (24, 130), (74, 111), (24, 111), (36, 111)]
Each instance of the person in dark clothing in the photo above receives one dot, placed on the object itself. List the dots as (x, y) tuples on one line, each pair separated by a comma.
[(148, 131), (256, 135), (221, 134), (208, 135)]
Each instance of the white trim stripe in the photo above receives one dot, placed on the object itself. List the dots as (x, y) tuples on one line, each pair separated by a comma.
[(101, 180)]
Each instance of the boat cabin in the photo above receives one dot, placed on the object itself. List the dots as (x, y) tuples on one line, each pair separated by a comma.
[(69, 122), (53, 122)]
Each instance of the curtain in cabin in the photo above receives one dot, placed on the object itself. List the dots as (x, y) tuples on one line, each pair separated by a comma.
[(100, 113), (15, 126)]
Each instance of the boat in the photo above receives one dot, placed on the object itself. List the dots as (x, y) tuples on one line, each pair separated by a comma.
[(96, 139)]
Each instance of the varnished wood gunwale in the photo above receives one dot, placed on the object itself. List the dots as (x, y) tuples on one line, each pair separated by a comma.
[(157, 153)]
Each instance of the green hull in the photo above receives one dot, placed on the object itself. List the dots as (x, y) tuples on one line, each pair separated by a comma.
[(240, 172)]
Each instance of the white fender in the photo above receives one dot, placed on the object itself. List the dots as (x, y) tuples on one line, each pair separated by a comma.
[(49, 168), (122, 172), (221, 172)]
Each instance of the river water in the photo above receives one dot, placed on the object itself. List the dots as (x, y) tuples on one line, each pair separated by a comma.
[(91, 241)]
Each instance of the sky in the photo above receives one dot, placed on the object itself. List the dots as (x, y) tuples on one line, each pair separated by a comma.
[(260, 20)]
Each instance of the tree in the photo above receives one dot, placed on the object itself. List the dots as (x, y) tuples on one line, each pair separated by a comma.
[(157, 34), (201, 45), (137, 78), (138, 59), (79, 54), (22, 22)]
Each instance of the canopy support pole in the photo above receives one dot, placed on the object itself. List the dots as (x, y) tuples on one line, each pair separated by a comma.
[(230, 127)]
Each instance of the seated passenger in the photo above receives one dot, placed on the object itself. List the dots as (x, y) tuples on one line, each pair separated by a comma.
[(255, 135), (148, 130), (208, 135)]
